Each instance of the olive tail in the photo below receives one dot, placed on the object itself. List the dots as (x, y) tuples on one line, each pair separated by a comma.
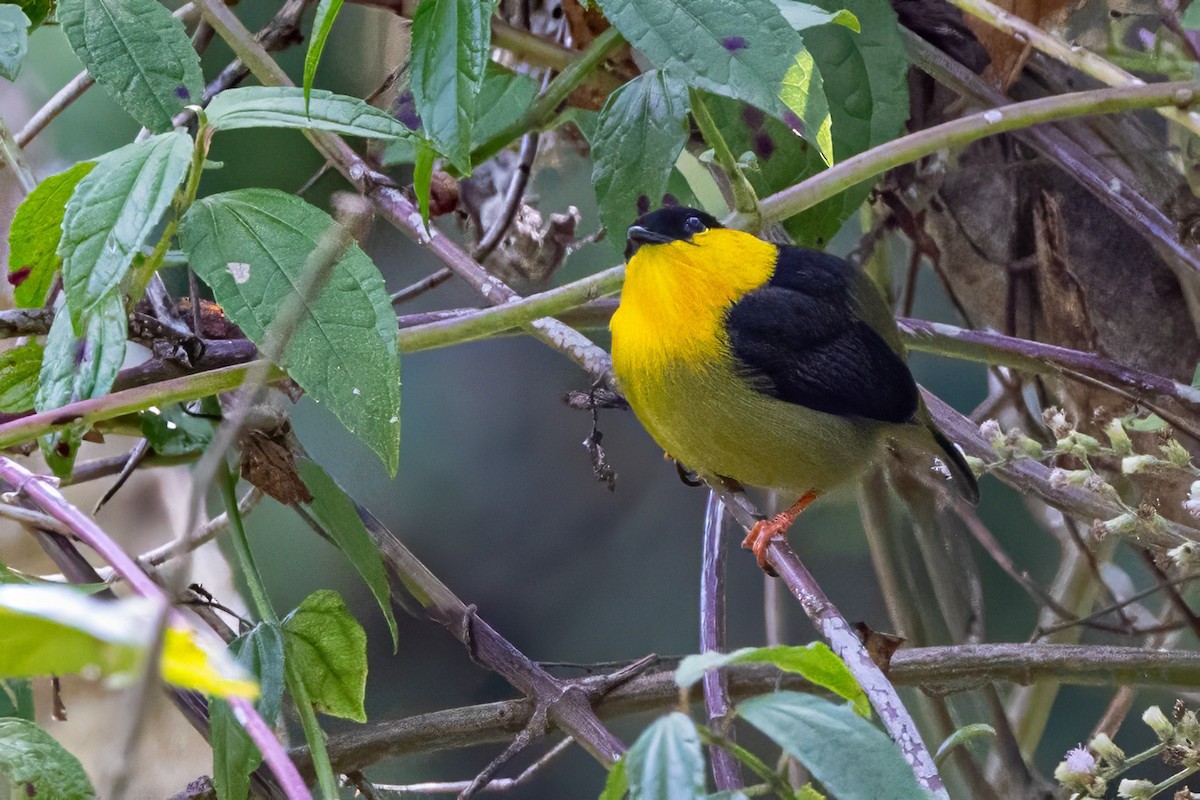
[(963, 477)]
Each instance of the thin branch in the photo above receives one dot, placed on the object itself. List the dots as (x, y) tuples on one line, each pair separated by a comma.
[(512, 198), (129, 401), (13, 157), (906, 149), (496, 785), (727, 771), (431, 281), (47, 497), (1075, 56), (57, 104)]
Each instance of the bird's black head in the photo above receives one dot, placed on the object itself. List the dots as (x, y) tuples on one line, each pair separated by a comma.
[(674, 224)]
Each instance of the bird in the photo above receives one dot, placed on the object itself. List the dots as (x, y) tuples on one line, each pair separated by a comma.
[(773, 366)]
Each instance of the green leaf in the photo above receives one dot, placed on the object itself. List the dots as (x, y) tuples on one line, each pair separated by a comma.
[(803, 15), (173, 431), (33, 764), (422, 179), (19, 369), (740, 50), (139, 53), (113, 211), (850, 757), (36, 11), (503, 99), (865, 75), (616, 785), (450, 44), (78, 368), (329, 648), (642, 129), (250, 246), (35, 233), (803, 93), (1195, 372), (14, 40), (1191, 17), (16, 698), (666, 761), (338, 514), (284, 107), (56, 630), (326, 14), (235, 756), (815, 662)]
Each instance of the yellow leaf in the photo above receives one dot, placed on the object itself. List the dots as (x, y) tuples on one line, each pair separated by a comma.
[(189, 664)]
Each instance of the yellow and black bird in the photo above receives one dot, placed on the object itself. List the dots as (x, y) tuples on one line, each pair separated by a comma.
[(775, 366)]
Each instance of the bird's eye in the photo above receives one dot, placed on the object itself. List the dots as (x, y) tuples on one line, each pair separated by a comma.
[(694, 225)]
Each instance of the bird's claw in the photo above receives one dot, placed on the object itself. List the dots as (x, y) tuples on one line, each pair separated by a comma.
[(762, 534)]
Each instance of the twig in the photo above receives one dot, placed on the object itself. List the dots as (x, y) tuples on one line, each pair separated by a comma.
[(13, 157), (1076, 56), (906, 149), (61, 100), (727, 771), (422, 286), (48, 498), (33, 519), (512, 198), (745, 199), (497, 785)]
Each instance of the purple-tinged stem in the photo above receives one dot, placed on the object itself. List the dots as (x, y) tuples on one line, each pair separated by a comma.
[(727, 772), (42, 492)]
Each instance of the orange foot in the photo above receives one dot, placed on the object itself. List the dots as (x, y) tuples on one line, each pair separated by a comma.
[(766, 531)]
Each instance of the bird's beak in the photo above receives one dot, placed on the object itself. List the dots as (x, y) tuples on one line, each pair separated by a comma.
[(637, 236)]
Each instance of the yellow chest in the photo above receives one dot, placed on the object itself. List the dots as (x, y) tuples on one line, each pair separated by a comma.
[(676, 297)]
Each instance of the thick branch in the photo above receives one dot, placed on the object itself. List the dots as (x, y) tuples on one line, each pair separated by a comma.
[(937, 670)]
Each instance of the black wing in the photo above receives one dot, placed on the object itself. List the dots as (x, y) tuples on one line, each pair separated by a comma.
[(799, 339)]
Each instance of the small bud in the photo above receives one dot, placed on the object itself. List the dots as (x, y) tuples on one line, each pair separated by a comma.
[(1135, 790), (1176, 453), (1123, 525), (1077, 767), (1062, 478), (1094, 483), (1188, 727), (1030, 447), (1186, 556), (990, 430), (1115, 431), (1056, 420), (1131, 465), (1106, 749), (1078, 444), (1158, 722)]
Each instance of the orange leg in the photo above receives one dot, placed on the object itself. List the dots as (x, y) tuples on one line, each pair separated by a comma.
[(766, 530)]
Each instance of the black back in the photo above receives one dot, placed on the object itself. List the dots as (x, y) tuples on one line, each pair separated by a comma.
[(799, 338)]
